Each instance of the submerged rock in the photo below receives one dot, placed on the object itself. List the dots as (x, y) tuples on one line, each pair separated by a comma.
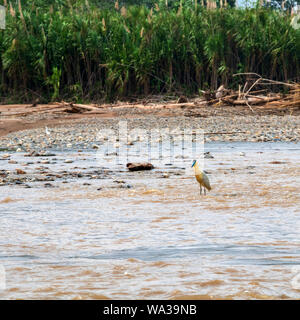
[(125, 186), (48, 185), (111, 153), (207, 155), (39, 154), (119, 181), (139, 166)]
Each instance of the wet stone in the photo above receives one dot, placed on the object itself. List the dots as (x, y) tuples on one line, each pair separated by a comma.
[(111, 153), (20, 171), (48, 185), (119, 181), (207, 155)]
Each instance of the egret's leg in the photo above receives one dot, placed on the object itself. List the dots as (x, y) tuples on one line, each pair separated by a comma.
[(200, 190), (204, 191)]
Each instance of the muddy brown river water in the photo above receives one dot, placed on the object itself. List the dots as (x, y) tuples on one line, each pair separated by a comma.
[(149, 235)]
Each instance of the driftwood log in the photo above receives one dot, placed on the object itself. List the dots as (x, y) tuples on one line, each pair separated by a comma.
[(250, 100), (80, 108)]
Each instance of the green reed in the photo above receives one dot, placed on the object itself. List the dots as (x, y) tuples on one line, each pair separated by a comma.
[(123, 52)]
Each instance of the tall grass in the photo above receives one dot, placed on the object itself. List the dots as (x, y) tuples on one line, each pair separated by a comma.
[(95, 54)]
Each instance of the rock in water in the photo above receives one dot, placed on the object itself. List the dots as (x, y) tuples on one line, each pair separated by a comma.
[(20, 171), (207, 155), (139, 166)]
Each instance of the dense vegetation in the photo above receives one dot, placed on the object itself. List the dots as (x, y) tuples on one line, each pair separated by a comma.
[(73, 50)]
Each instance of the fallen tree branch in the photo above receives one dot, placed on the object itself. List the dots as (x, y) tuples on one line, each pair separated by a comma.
[(251, 100), (264, 79)]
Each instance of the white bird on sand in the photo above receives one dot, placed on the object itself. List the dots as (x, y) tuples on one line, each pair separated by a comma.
[(221, 92)]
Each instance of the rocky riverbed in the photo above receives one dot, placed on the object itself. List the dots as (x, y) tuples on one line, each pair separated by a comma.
[(88, 133)]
